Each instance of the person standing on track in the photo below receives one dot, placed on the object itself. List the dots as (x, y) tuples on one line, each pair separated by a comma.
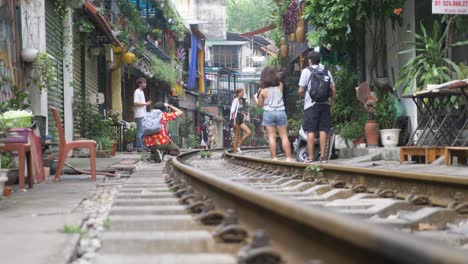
[(140, 104), (318, 103), (239, 116), (270, 98)]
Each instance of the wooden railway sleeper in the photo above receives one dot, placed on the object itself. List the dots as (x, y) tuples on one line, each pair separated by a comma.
[(230, 231), (259, 251), (457, 199)]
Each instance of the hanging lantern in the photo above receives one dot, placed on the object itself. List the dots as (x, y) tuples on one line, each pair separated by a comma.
[(128, 57)]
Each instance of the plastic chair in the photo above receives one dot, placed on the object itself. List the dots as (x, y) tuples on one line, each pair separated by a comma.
[(65, 147)]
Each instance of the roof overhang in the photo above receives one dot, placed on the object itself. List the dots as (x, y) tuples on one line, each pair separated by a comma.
[(101, 22)]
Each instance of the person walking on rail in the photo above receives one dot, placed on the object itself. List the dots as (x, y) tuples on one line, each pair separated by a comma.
[(317, 87), (270, 98), (140, 104), (239, 116), (160, 141)]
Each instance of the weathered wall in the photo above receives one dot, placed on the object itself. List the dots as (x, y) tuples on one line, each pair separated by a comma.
[(215, 27)]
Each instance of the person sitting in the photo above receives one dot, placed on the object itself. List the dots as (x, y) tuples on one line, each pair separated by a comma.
[(160, 142)]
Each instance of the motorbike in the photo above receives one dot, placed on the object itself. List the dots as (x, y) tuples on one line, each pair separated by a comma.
[(300, 146)]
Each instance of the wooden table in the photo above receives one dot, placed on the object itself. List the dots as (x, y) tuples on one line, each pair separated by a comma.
[(430, 153), (24, 154), (460, 152)]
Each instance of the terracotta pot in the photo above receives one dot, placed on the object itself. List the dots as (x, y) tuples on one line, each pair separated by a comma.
[(284, 49), (114, 149), (300, 31), (372, 133)]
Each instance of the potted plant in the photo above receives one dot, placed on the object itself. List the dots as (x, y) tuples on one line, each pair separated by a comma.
[(129, 136), (386, 116), (202, 154), (432, 55), (43, 71), (208, 154), (352, 131), (85, 25)]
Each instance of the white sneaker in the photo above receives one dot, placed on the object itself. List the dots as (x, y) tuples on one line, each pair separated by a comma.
[(239, 150)]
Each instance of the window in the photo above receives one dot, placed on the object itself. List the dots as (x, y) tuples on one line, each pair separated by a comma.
[(226, 56)]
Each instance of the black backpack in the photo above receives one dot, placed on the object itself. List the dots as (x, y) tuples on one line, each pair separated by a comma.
[(320, 84)]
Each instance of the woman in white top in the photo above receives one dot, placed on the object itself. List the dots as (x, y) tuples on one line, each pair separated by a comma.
[(239, 115), (270, 97)]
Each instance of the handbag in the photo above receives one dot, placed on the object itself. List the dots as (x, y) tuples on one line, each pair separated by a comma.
[(231, 121)]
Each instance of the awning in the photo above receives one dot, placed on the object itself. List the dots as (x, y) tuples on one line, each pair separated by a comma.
[(101, 22)]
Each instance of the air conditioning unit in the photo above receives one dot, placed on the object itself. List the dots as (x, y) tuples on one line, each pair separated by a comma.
[(96, 98)]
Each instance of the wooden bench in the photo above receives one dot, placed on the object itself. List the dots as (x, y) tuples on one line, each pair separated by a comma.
[(429, 153), (460, 152)]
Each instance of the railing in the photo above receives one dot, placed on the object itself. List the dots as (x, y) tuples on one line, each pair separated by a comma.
[(120, 128)]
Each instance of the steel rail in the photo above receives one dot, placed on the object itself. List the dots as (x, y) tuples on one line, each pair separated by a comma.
[(440, 189), (348, 238)]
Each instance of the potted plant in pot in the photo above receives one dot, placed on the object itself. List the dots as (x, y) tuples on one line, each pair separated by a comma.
[(129, 136), (386, 116), (352, 132)]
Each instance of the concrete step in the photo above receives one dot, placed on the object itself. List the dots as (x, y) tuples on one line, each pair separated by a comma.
[(201, 258), (148, 210), (152, 222), (157, 242)]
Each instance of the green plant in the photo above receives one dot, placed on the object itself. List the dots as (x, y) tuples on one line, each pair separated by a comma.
[(209, 154), (85, 25), (191, 141), (203, 153), (133, 17), (315, 170), (275, 61), (335, 19), (104, 143), (162, 71), (352, 130), (73, 229), (346, 107), (430, 66), (6, 161), (386, 112), (107, 223), (130, 134), (43, 71), (91, 124)]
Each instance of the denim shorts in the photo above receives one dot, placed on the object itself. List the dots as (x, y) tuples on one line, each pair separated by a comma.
[(275, 118)]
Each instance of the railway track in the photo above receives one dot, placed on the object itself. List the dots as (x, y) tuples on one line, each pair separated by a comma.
[(273, 212)]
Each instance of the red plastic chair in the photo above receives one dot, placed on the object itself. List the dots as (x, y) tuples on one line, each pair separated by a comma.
[(65, 147)]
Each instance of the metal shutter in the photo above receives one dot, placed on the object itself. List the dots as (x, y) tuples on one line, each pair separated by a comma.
[(54, 44)]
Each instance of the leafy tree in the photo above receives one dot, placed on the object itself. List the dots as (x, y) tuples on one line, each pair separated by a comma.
[(248, 15)]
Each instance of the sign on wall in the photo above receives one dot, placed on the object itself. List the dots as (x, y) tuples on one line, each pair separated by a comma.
[(456, 7)]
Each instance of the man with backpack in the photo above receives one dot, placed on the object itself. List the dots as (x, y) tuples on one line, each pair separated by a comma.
[(317, 87), (156, 137), (140, 104)]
